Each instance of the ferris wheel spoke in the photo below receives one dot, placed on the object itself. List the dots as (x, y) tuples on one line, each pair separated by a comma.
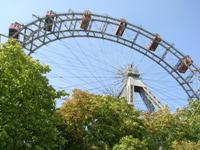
[(102, 88), (154, 80), (62, 67), (92, 84), (165, 95), (103, 51), (88, 83), (72, 63), (91, 71), (64, 57), (98, 61), (121, 51), (164, 87)]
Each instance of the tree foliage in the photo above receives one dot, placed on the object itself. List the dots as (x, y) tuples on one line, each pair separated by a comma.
[(27, 106), (165, 129), (97, 122), (29, 120), (130, 143), (191, 116), (103, 122), (162, 128), (185, 145)]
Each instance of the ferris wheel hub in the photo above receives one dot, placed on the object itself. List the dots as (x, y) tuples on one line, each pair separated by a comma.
[(131, 71)]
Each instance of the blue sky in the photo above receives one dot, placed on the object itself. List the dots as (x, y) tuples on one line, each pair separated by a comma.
[(177, 21)]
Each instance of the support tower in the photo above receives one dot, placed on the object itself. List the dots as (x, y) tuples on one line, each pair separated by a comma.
[(132, 84)]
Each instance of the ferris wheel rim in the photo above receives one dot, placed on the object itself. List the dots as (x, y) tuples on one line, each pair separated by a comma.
[(76, 17)]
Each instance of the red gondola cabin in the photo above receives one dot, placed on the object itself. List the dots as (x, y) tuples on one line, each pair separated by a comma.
[(49, 21), (154, 43), (183, 64), (14, 30), (85, 20), (121, 27)]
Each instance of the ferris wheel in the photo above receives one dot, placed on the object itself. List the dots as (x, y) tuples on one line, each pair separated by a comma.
[(105, 55)]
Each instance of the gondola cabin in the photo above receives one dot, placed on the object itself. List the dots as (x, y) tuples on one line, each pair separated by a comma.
[(184, 63), (14, 29), (85, 20), (49, 21), (121, 27), (154, 43)]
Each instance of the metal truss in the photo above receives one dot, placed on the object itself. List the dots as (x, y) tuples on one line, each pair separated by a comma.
[(133, 84), (67, 25)]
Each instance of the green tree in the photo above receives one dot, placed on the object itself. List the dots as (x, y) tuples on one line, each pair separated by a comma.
[(191, 116), (27, 106), (185, 145), (130, 143), (162, 128), (97, 122)]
